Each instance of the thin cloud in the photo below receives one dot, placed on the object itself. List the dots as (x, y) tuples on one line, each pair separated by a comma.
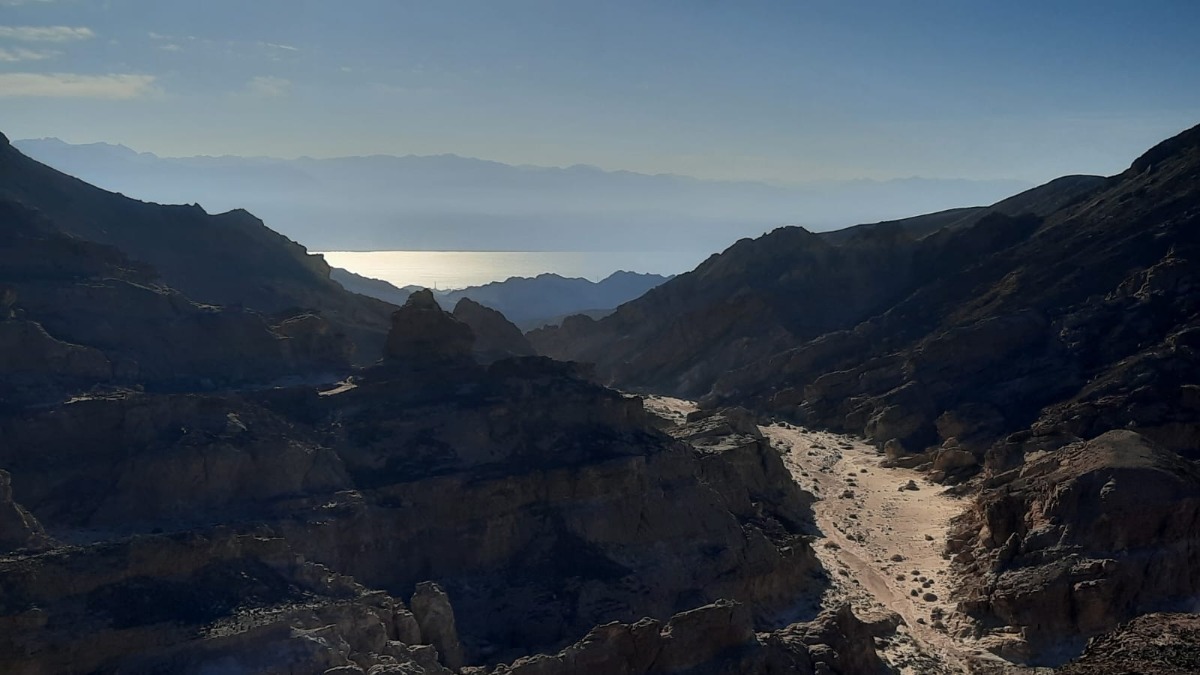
[(46, 33), (71, 85), (22, 54), (18, 3), (286, 48), (267, 86)]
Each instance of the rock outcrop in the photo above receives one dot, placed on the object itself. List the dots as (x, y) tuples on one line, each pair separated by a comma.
[(495, 336), (538, 502), (718, 639), (422, 333), (1079, 540), (1154, 644), (435, 617), (19, 530)]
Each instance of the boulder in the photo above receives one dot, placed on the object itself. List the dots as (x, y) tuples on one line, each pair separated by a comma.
[(1078, 540), (431, 607), (18, 528)]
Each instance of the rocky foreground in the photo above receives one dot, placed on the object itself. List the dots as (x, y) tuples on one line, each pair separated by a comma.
[(429, 515)]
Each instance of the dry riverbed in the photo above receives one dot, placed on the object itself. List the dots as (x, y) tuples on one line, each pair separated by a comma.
[(884, 540)]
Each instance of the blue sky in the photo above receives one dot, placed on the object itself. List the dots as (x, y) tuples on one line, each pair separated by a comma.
[(761, 90)]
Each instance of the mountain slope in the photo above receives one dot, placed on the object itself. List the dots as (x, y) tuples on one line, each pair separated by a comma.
[(1046, 356), (77, 316), (765, 295), (228, 259)]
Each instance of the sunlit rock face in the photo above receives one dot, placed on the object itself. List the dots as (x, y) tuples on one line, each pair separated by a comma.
[(1081, 539)]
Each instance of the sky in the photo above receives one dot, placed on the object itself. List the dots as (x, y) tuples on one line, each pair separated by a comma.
[(767, 90)]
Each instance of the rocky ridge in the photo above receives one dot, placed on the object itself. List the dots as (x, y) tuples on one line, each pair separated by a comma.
[(274, 530), (231, 259), (1000, 354)]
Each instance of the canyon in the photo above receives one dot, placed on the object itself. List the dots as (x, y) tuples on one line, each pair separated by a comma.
[(961, 442)]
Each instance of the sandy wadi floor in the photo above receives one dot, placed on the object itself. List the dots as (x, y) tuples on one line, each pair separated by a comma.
[(884, 539), (884, 543)]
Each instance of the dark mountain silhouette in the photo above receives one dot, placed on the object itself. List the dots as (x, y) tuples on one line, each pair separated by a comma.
[(838, 328), (532, 302), (529, 302), (447, 202), (229, 259), (762, 296)]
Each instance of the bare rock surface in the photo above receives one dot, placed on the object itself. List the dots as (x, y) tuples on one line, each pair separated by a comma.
[(422, 332), (495, 336), (1079, 540), (719, 639), (435, 617), (541, 504), (18, 528), (1152, 644)]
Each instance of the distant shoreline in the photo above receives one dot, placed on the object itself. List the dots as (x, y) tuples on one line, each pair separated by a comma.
[(450, 270)]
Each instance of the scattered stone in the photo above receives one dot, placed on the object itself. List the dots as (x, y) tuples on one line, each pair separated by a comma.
[(896, 557), (910, 485), (929, 597)]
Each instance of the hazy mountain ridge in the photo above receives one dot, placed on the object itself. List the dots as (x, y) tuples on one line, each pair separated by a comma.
[(447, 202)]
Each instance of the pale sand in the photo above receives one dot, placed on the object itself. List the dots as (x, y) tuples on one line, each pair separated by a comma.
[(866, 520)]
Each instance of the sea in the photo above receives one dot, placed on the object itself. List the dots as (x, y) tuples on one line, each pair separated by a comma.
[(448, 270)]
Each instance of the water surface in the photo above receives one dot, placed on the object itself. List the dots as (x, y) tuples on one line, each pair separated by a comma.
[(459, 269)]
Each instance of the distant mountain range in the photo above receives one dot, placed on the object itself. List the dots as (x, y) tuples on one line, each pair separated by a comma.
[(447, 202), (529, 302)]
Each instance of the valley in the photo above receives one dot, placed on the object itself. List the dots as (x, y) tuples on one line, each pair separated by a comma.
[(964, 442)]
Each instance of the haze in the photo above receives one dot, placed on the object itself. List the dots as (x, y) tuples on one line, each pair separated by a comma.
[(996, 97)]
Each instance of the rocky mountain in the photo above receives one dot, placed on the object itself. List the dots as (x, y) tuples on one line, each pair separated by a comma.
[(529, 302), (77, 316), (1041, 352), (537, 301), (762, 296), (248, 529), (231, 259), (184, 487)]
